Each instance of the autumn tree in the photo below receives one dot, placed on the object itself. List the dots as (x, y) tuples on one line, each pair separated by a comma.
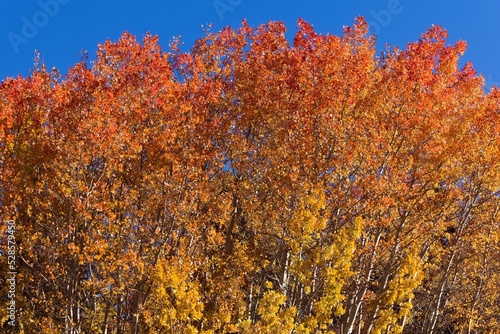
[(254, 185)]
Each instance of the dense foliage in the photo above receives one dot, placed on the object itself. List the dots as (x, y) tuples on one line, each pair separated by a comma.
[(253, 185)]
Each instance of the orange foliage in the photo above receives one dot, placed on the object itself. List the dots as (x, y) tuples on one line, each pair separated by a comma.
[(253, 185)]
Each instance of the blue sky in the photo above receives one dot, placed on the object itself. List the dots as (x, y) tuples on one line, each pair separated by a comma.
[(61, 29)]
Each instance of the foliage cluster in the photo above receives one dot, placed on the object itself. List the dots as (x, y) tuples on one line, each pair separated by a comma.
[(255, 185)]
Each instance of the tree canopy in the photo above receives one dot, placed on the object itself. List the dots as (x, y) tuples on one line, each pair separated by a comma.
[(254, 185)]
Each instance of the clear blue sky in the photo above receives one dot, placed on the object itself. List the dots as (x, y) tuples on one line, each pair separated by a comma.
[(61, 29)]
